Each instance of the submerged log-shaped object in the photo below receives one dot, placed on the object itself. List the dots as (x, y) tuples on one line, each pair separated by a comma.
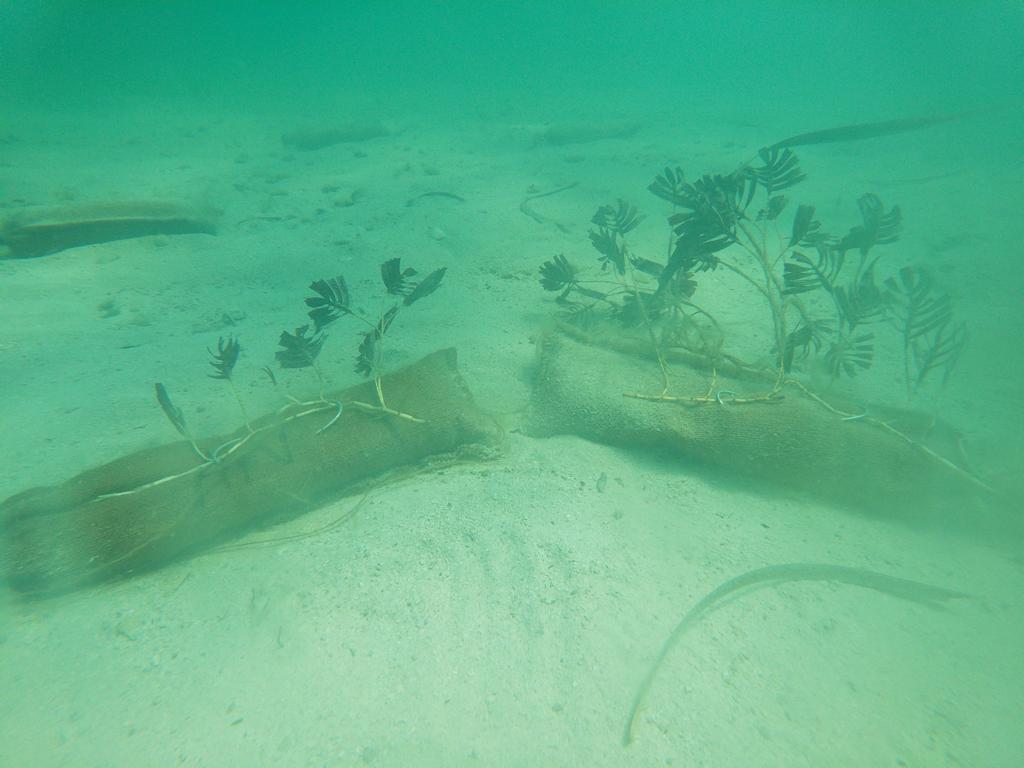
[(161, 504), (37, 232)]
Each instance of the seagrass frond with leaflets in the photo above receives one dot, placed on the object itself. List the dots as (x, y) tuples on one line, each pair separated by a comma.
[(861, 301), (633, 312), (224, 359), (425, 287), (647, 266), (804, 226), (694, 252), (916, 308), (939, 352), (611, 248), (802, 273), (713, 204), (330, 303), (776, 205), (558, 275), (621, 217), (850, 354), (780, 170), (806, 338), (669, 185), (879, 226), (681, 286), (396, 279), (297, 349), (368, 356)]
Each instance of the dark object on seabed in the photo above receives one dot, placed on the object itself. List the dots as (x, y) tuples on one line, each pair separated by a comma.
[(307, 141), (39, 232), (904, 589), (158, 505), (861, 131)]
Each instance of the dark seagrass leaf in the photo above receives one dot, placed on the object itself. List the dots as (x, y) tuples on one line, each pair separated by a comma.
[(297, 349), (850, 354), (776, 205), (322, 317), (330, 303), (580, 315), (692, 254), (879, 228), (682, 285), (937, 314), (632, 313), (620, 218), (799, 278), (172, 412), (713, 205), (744, 186), (670, 185), (611, 249), (804, 339), (780, 170), (915, 306), (803, 223), (332, 292), (801, 273), (647, 266), (861, 301), (425, 287), (590, 293), (940, 352), (366, 359), (558, 275), (396, 279), (224, 358)]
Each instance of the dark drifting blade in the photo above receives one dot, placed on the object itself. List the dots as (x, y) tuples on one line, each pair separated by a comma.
[(862, 131), (171, 411)]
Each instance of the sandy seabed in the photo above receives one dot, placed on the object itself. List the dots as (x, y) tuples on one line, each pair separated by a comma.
[(499, 613)]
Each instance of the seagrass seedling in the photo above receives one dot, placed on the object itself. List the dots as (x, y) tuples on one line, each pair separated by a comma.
[(822, 291), (333, 301)]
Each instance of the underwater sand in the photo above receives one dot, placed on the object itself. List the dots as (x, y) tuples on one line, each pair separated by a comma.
[(499, 613)]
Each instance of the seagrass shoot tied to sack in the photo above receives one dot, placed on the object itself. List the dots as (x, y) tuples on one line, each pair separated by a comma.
[(638, 356), (154, 506)]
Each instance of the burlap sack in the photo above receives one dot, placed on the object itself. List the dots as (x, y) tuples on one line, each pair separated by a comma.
[(113, 520), (795, 442)]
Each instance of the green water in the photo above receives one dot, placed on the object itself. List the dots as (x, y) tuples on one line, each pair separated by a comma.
[(505, 608)]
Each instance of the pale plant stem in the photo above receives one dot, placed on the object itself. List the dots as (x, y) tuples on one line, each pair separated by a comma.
[(773, 290), (630, 279), (231, 446), (241, 404), (320, 378)]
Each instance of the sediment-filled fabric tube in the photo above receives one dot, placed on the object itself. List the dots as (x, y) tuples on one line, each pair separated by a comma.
[(154, 506)]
